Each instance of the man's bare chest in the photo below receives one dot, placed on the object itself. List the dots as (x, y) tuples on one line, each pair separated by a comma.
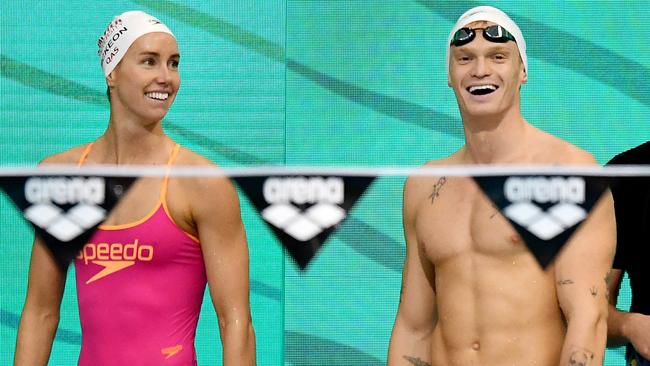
[(458, 219)]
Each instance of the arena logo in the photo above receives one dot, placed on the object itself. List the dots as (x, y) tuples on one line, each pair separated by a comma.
[(526, 193), (303, 210), (61, 190), (324, 194), (65, 210), (47, 195), (545, 210)]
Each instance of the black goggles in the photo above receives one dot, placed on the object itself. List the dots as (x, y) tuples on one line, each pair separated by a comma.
[(493, 33)]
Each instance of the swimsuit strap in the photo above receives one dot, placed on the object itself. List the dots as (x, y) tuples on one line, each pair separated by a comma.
[(84, 154), (170, 162)]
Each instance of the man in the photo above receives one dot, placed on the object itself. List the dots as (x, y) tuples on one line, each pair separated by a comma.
[(632, 205), (472, 294)]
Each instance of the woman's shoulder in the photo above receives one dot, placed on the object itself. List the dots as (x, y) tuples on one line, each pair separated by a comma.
[(70, 156), (204, 180), (187, 156)]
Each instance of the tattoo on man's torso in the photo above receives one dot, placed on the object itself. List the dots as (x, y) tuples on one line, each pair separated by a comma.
[(417, 361), (436, 188)]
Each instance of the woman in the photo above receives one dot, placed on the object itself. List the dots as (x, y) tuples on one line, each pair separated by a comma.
[(140, 299)]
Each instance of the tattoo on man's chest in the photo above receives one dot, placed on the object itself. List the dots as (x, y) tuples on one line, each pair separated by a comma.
[(417, 361), (436, 188)]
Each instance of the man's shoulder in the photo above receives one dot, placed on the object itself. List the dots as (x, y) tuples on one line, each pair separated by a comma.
[(436, 163), (560, 151), (453, 159), (421, 183)]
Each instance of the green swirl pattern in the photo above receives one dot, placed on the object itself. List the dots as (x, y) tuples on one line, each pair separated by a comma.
[(309, 82)]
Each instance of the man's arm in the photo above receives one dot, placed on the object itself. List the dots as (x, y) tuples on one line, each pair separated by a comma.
[(624, 327), (581, 274), (410, 342), (40, 316), (225, 253)]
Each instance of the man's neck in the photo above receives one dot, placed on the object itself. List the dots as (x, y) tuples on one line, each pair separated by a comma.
[(495, 139)]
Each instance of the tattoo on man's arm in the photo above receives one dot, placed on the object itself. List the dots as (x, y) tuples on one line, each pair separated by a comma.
[(436, 188), (580, 357), (417, 361), (565, 282), (608, 277), (594, 291)]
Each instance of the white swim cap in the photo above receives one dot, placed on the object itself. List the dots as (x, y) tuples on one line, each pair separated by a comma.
[(494, 15), (122, 32)]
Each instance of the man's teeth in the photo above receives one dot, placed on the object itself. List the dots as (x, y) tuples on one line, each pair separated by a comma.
[(157, 95), (482, 89)]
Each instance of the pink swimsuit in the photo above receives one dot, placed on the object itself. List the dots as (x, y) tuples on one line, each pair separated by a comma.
[(140, 287)]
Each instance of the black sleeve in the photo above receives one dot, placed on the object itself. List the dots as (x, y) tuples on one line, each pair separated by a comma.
[(632, 205), (624, 227), (624, 210)]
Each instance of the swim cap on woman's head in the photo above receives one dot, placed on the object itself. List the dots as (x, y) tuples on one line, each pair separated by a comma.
[(122, 32), (494, 15)]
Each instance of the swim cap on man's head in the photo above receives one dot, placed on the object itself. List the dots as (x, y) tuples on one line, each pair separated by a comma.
[(120, 34), (494, 15)]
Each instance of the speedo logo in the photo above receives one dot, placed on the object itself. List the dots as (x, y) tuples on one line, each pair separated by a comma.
[(46, 195), (114, 257), (565, 194), (323, 194)]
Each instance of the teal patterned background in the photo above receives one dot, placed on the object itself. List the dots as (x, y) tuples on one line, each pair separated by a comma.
[(312, 82)]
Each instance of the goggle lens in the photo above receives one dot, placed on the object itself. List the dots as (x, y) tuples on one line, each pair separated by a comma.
[(493, 33)]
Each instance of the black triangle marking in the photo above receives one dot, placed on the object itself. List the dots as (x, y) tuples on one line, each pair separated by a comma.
[(544, 209), (65, 210), (303, 210)]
